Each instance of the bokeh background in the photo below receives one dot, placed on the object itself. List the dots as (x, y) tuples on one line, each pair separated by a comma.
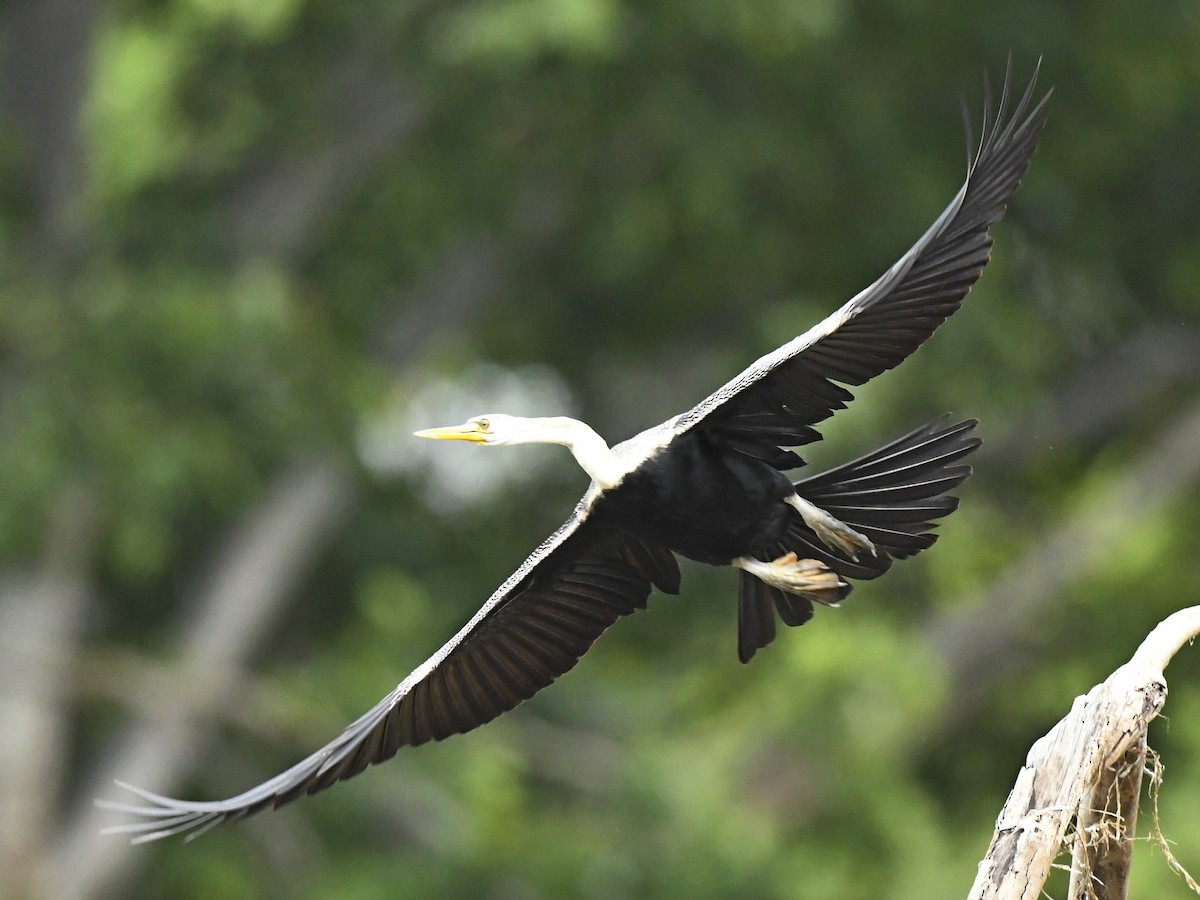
[(246, 246)]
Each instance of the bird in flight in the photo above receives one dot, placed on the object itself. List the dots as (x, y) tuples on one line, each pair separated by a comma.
[(710, 484)]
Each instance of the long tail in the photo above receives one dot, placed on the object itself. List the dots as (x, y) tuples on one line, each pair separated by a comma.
[(892, 495)]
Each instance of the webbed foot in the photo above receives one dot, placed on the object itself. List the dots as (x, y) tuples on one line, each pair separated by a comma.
[(806, 577), (831, 531)]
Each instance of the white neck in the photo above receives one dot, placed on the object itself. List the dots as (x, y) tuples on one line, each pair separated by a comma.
[(589, 449)]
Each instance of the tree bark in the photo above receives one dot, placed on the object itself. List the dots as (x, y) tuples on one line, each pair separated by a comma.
[(1065, 775), (1105, 829)]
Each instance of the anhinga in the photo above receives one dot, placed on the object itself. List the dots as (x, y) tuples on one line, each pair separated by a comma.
[(708, 484)]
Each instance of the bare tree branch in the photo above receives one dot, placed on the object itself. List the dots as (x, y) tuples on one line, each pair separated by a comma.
[(1058, 784), (1105, 828)]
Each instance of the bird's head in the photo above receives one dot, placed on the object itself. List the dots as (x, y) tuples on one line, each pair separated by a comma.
[(495, 429)]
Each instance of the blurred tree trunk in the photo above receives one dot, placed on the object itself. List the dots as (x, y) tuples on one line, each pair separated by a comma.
[(44, 73), (260, 565), (41, 618)]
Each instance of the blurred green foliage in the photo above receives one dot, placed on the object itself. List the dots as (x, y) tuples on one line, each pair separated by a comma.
[(268, 237)]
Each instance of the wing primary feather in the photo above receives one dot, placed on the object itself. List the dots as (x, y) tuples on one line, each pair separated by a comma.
[(529, 632), (789, 390)]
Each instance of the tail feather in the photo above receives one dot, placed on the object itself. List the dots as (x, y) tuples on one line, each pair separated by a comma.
[(890, 495), (933, 508), (893, 496), (756, 618), (929, 444)]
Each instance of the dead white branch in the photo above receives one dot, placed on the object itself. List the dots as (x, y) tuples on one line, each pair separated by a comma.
[(1076, 774)]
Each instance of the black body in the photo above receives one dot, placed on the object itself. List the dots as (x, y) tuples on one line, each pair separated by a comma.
[(701, 500)]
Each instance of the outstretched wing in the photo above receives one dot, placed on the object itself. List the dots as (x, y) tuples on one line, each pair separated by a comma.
[(534, 628), (775, 402)]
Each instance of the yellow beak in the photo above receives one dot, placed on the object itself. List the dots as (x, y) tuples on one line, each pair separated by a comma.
[(469, 432)]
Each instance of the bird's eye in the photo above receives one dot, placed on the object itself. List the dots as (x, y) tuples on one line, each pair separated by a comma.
[(483, 424)]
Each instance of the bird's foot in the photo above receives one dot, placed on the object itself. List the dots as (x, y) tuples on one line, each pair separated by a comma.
[(832, 532), (809, 578)]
